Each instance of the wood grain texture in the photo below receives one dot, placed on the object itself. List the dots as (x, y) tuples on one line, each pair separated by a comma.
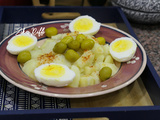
[(132, 95)]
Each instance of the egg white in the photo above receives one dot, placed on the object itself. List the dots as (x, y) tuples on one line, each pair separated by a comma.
[(15, 50), (125, 55), (92, 31), (61, 81)]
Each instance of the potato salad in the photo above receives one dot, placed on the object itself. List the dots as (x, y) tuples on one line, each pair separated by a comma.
[(74, 59), (88, 57)]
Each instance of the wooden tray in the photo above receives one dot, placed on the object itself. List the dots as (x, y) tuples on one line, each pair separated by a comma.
[(140, 100)]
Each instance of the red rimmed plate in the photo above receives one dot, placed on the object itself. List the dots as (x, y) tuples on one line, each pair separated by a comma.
[(129, 72)]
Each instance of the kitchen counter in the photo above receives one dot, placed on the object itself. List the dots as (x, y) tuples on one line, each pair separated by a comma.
[(149, 37)]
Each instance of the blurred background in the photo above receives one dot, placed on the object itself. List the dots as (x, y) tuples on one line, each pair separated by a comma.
[(57, 2)]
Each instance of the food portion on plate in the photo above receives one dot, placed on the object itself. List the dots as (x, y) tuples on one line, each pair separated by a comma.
[(123, 49), (54, 74), (21, 42), (85, 25), (75, 59)]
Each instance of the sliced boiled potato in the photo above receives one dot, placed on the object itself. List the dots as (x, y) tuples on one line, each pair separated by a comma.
[(83, 82), (44, 43), (58, 36), (99, 58), (109, 59), (98, 65), (75, 82), (48, 46), (86, 81), (90, 37), (89, 69), (29, 68), (97, 49), (36, 53), (60, 58), (85, 60), (95, 75), (106, 49), (36, 48)]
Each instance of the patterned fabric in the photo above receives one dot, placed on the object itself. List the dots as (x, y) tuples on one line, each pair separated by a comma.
[(14, 98), (147, 11)]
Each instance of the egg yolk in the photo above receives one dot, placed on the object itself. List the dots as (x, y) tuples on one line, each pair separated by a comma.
[(83, 25), (55, 71), (22, 41), (121, 45)]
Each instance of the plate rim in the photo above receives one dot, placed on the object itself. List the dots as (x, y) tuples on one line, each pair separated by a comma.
[(81, 95)]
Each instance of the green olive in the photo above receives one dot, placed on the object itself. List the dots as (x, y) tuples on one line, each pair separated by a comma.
[(105, 73), (101, 40), (23, 56), (51, 31), (75, 45), (71, 55), (87, 44), (60, 47), (67, 39), (80, 37)]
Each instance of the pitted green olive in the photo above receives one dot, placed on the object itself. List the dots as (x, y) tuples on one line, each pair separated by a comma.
[(105, 73), (23, 56), (87, 44)]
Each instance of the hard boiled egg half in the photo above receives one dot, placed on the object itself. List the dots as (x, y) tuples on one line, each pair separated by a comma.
[(54, 74), (123, 49), (85, 25), (21, 42)]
